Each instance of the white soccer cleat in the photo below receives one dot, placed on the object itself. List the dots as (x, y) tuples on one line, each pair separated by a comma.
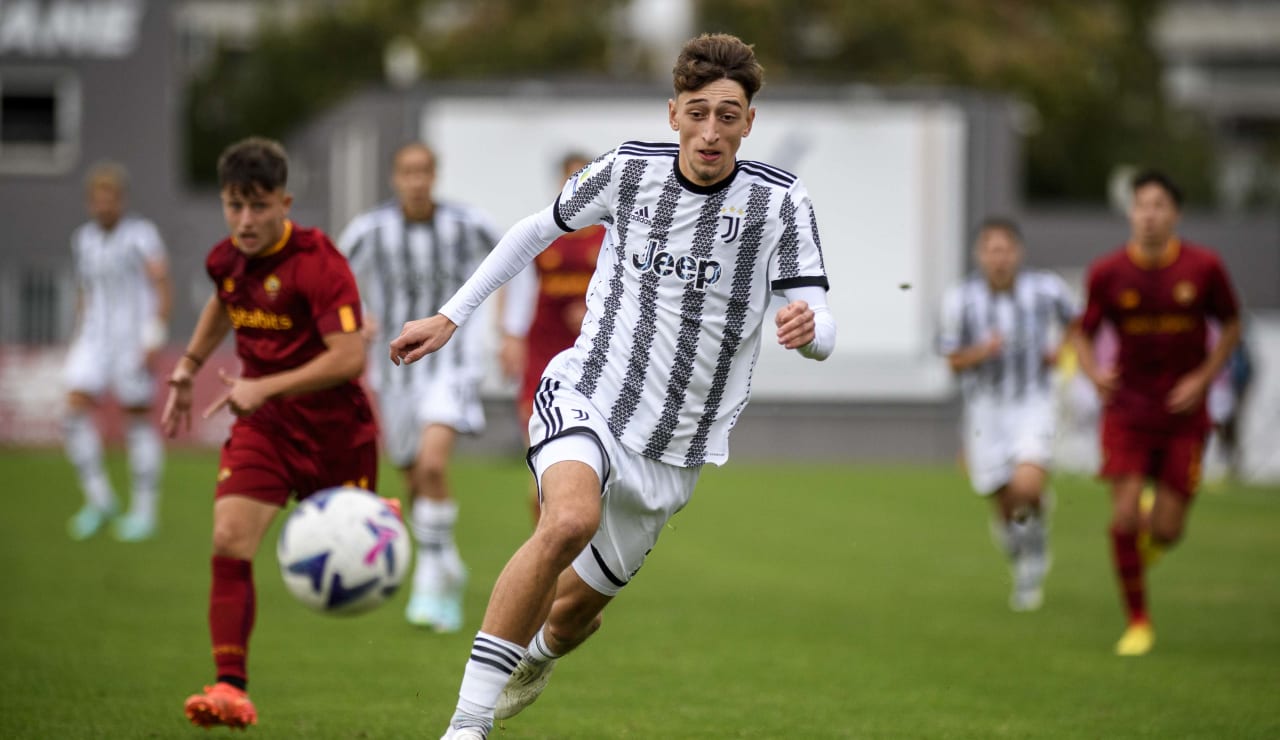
[(1028, 582), (523, 688)]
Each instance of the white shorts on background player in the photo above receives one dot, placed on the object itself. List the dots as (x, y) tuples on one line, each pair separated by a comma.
[(407, 411), (94, 368), (639, 495), (999, 435)]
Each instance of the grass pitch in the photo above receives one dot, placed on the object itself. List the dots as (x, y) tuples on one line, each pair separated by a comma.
[(787, 601)]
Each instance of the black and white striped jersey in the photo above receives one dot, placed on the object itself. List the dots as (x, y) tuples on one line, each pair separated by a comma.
[(407, 269), (116, 293), (677, 306), (1027, 317)]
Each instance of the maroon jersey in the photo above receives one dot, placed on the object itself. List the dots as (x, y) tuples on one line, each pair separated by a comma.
[(282, 303), (1159, 310), (564, 271)]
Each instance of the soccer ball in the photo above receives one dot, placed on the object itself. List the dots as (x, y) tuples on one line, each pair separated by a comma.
[(343, 551)]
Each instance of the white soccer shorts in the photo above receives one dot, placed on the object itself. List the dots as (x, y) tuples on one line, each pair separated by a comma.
[(1000, 435), (407, 411), (639, 495), (93, 368)]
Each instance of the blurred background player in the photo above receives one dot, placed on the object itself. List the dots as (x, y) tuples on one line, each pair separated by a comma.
[(1158, 291), (543, 306), (1227, 397), (997, 334), (625, 419), (123, 317), (303, 422), (408, 257)]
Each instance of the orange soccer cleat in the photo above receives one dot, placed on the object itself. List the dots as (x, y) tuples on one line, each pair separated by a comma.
[(221, 704)]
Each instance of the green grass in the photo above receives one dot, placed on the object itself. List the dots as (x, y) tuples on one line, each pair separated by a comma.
[(787, 601)]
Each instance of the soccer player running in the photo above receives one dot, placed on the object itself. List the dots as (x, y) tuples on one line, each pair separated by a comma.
[(124, 300), (303, 422), (543, 307), (408, 257), (996, 335), (696, 243), (1158, 291)]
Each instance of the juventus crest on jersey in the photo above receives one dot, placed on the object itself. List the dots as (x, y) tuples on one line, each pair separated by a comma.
[(406, 269), (676, 307)]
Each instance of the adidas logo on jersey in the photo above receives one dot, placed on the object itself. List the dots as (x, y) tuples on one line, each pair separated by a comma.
[(641, 215), (700, 272)]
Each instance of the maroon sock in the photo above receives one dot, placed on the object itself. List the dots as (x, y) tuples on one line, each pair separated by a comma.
[(1128, 563), (231, 612)]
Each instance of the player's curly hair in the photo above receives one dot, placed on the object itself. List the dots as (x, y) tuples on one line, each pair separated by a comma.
[(717, 56), (252, 165)]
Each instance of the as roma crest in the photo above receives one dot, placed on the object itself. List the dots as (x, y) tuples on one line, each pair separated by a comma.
[(272, 286), (1184, 292)]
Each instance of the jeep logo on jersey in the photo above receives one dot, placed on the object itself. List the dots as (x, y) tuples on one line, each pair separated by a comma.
[(701, 272)]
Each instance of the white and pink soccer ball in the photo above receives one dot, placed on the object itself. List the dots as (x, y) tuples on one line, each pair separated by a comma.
[(343, 551)]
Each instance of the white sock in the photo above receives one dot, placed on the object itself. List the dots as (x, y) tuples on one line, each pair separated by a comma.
[(83, 445), (492, 662), (146, 458), (438, 564), (538, 652)]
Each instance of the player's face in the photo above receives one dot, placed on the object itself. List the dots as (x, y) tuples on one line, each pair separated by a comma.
[(999, 255), (106, 204), (413, 177), (711, 122), (255, 219), (1153, 216)]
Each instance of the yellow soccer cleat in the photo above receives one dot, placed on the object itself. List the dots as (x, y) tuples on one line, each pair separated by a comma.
[(1138, 639)]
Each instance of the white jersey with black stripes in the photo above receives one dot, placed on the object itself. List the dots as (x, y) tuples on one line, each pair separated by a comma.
[(677, 306)]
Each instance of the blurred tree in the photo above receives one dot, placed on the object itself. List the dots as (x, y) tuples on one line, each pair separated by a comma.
[(1086, 69), (294, 70)]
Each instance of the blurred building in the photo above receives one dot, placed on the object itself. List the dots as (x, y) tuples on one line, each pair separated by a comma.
[(86, 80), (1222, 58)]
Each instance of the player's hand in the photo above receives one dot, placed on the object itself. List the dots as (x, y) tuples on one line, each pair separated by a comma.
[(420, 338), (1105, 381), (243, 397), (512, 356), (993, 346), (177, 407), (795, 325), (1187, 393)]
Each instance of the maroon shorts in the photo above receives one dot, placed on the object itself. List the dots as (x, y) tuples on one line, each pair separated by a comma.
[(267, 468), (1169, 457)]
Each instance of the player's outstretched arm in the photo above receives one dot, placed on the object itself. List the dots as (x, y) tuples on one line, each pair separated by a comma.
[(420, 338), (211, 328)]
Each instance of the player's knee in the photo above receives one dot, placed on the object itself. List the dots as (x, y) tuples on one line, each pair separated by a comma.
[(1166, 534), (231, 540), (567, 532), (1124, 522)]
